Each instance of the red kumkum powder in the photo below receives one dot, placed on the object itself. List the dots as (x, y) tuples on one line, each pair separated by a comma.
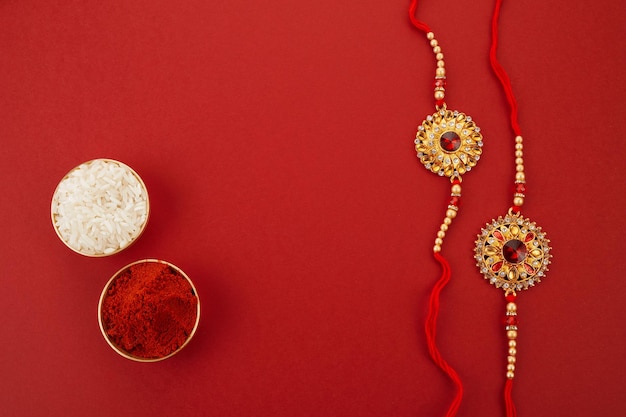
[(149, 310)]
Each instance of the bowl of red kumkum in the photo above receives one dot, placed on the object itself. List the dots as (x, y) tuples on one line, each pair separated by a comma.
[(149, 310)]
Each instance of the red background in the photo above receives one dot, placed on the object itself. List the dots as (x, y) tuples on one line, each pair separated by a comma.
[(276, 141)]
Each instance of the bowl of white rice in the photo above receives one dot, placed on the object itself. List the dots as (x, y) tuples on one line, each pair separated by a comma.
[(100, 207)]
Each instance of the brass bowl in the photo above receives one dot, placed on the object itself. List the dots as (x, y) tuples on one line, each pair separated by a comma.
[(55, 205), (101, 319)]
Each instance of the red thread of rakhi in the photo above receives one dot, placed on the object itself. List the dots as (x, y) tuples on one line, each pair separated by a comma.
[(449, 144), (512, 252), (510, 320)]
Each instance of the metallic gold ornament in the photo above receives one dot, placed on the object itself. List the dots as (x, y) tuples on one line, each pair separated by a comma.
[(448, 143), (512, 253)]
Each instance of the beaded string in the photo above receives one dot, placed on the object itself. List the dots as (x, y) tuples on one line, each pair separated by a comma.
[(440, 72), (510, 322), (512, 252), (510, 319), (505, 81), (451, 212)]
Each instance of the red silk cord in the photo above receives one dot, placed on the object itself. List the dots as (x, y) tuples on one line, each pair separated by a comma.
[(417, 23), (503, 77), (433, 303), (431, 331), (508, 399), (505, 81)]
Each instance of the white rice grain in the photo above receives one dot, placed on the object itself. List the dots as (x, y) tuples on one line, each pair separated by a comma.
[(100, 207)]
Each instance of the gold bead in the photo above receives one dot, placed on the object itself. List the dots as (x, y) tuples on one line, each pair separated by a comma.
[(512, 351), (519, 154), (518, 139), (519, 168), (512, 307), (518, 201), (440, 64), (440, 72), (437, 49), (437, 248), (433, 42), (520, 177), (519, 160), (444, 227), (441, 234), (511, 359), (519, 146), (456, 189), (512, 343), (439, 56), (510, 375), (439, 95), (511, 334), (451, 214), (439, 241), (430, 35), (447, 221), (510, 367)]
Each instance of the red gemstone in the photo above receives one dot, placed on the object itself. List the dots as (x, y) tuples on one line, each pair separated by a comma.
[(515, 209), (520, 188), (496, 267), (514, 251), (440, 83), (529, 269), (510, 298), (529, 237), (498, 235), (455, 201), (450, 141), (440, 103), (510, 320)]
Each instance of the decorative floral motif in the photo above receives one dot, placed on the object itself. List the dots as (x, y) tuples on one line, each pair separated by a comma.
[(513, 253), (448, 143)]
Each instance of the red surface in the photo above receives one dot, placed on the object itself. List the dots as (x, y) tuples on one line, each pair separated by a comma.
[(276, 140)]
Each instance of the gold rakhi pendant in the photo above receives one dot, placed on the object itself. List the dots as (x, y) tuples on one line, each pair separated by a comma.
[(513, 253), (448, 143)]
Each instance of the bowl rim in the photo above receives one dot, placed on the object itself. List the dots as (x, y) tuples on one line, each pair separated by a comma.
[(121, 351), (118, 250)]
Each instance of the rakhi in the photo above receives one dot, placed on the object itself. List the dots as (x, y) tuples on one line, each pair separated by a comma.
[(449, 144), (511, 252)]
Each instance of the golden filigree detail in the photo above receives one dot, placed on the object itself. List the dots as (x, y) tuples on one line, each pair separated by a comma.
[(513, 253), (448, 143)]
